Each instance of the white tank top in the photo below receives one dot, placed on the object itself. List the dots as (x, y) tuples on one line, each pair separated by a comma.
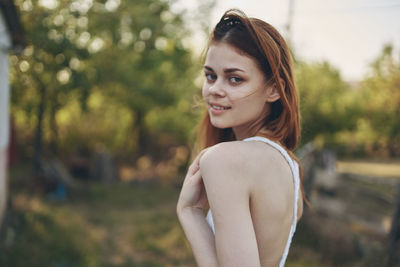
[(296, 181)]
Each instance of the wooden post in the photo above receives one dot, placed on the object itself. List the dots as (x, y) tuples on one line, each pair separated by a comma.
[(394, 235)]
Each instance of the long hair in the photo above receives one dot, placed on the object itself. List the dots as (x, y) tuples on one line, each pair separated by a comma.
[(267, 47)]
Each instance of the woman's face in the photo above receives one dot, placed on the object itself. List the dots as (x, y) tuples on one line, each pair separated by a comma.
[(235, 90)]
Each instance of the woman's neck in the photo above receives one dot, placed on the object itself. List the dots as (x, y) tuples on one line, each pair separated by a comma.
[(251, 128)]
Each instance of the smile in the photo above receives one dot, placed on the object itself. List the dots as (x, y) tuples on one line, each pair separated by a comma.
[(219, 107)]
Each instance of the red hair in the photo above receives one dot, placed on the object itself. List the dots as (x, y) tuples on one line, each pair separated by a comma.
[(266, 46)]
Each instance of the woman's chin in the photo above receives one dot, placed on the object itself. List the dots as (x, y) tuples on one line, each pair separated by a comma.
[(219, 124)]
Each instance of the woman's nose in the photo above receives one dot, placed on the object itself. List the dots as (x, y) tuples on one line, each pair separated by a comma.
[(217, 89)]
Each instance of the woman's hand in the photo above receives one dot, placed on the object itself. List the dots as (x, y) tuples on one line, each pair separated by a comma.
[(192, 200), (193, 194)]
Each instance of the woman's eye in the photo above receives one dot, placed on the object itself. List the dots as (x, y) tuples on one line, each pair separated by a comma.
[(235, 79), (210, 77)]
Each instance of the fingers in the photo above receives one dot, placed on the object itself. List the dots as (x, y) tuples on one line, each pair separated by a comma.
[(192, 180), (195, 166), (196, 177), (192, 174)]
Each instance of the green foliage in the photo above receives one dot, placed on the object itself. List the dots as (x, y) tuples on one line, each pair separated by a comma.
[(120, 74), (376, 102), (381, 99), (326, 101), (361, 119), (53, 60), (131, 54), (104, 118)]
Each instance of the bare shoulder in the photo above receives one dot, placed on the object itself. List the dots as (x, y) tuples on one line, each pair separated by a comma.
[(222, 161), (224, 153), (252, 156), (252, 159)]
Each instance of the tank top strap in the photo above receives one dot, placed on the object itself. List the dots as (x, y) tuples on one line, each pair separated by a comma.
[(296, 181)]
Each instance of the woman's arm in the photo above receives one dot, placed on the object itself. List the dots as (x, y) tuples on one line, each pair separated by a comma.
[(192, 200), (200, 237), (226, 176)]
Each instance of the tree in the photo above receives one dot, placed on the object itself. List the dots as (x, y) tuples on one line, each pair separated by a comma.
[(132, 53), (326, 102), (49, 69), (152, 69), (381, 98)]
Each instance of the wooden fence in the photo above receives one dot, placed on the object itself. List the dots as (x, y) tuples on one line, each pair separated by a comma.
[(360, 212)]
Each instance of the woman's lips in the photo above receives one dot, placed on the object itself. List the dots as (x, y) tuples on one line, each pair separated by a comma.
[(217, 109)]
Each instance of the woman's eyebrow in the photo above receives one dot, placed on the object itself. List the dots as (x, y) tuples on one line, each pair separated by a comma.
[(233, 70), (208, 68), (228, 70)]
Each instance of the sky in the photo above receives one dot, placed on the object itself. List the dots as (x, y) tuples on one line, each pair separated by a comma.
[(350, 34)]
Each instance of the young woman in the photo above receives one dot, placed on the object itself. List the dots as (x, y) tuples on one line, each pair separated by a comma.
[(246, 172)]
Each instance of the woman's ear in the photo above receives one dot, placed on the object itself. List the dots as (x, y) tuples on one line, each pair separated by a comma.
[(273, 92)]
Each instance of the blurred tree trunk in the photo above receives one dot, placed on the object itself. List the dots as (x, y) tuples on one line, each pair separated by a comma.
[(53, 126), (394, 148), (37, 157), (142, 139)]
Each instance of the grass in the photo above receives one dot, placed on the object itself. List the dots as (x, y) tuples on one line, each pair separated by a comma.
[(124, 224), (100, 225), (103, 225)]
